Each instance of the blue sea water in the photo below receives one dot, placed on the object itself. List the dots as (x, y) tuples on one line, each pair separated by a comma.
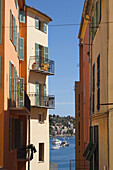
[(65, 156)]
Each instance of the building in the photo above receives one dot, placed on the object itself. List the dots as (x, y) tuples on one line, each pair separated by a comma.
[(99, 150), (14, 101), (82, 94), (39, 67)]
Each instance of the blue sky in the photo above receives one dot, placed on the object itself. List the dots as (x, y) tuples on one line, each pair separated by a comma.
[(63, 49)]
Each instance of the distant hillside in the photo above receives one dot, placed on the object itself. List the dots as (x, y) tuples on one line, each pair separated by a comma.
[(61, 125)]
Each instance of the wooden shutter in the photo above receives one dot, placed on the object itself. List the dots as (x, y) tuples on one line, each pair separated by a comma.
[(37, 54), (10, 83), (37, 94), (21, 92), (11, 25), (36, 23), (1, 21), (21, 43), (45, 27), (10, 134), (45, 54)]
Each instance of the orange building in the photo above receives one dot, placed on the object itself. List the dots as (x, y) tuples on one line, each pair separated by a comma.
[(84, 86), (14, 102)]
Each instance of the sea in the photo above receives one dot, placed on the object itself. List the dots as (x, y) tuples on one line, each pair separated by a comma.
[(64, 157)]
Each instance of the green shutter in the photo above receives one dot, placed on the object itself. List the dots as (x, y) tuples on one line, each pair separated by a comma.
[(45, 54), (21, 93), (37, 94), (10, 134), (16, 3), (18, 46), (45, 27), (21, 45), (45, 95), (99, 11), (37, 54), (36, 23), (14, 31), (11, 25), (16, 38), (14, 86), (10, 84), (40, 94), (0, 21)]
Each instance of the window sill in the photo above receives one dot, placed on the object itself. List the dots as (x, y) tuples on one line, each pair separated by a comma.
[(40, 161)]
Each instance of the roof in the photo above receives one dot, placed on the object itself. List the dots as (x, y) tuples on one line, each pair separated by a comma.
[(30, 7)]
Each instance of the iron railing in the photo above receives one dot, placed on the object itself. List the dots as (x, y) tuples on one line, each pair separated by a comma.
[(53, 166), (41, 64), (22, 153), (42, 101)]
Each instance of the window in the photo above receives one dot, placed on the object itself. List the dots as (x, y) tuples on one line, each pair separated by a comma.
[(45, 54), (45, 27), (93, 107), (40, 25), (36, 23), (21, 48), (1, 21), (41, 152), (98, 82), (22, 16), (40, 117)]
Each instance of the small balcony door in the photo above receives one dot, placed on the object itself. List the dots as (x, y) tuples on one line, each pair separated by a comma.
[(38, 94)]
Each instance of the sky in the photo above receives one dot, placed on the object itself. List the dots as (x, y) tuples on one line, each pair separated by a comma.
[(63, 49)]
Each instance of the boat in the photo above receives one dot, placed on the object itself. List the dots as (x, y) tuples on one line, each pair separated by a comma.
[(64, 143), (56, 142), (55, 147)]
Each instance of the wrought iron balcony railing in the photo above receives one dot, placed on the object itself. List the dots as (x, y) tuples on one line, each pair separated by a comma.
[(41, 65), (42, 101), (19, 100), (22, 153)]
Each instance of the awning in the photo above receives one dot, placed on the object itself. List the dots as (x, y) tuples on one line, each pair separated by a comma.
[(93, 148), (87, 149)]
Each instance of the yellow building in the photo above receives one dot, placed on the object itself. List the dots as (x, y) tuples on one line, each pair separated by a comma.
[(39, 66)]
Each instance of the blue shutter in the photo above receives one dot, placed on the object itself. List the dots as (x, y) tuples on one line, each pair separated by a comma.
[(36, 23), (45, 54), (0, 21), (37, 54), (21, 45), (11, 25), (37, 94), (45, 27), (10, 83), (21, 92)]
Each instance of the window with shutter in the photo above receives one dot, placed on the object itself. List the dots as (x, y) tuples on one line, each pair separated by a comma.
[(37, 94), (36, 23), (99, 11), (45, 54), (21, 93), (21, 45), (16, 38), (16, 3), (14, 31), (14, 88), (45, 98), (93, 88), (11, 25), (22, 17), (45, 27), (98, 82), (1, 21), (37, 54)]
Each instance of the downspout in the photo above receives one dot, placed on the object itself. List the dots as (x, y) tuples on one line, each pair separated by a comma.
[(107, 76)]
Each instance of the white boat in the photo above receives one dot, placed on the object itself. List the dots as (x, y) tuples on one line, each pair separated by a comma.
[(64, 143), (55, 147), (56, 142)]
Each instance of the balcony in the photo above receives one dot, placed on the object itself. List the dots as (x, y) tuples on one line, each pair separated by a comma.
[(19, 101), (41, 65), (40, 101)]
